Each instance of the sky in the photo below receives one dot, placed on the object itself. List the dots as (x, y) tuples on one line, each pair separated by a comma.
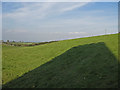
[(0, 21), (46, 21)]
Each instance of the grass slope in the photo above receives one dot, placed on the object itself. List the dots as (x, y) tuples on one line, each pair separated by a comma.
[(87, 65)]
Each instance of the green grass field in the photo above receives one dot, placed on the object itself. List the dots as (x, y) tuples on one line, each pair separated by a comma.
[(90, 62)]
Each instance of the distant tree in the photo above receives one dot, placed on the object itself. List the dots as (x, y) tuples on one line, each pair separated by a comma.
[(30, 45), (18, 44), (14, 44), (36, 44), (11, 44), (8, 41)]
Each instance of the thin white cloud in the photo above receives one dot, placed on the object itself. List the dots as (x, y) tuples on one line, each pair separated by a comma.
[(42, 36), (74, 7), (15, 31), (41, 10), (77, 33)]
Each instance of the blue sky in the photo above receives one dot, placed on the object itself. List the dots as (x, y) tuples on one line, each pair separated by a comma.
[(56, 21), (0, 21)]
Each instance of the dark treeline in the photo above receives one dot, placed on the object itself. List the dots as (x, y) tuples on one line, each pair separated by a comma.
[(20, 43)]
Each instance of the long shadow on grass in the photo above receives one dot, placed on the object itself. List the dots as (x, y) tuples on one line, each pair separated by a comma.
[(87, 66)]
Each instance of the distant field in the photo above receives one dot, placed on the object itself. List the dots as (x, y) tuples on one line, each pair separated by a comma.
[(19, 43), (24, 44), (84, 63)]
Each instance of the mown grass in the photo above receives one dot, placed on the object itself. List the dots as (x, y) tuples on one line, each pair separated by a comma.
[(96, 63)]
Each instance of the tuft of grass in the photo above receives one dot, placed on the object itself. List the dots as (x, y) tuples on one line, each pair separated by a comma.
[(63, 64)]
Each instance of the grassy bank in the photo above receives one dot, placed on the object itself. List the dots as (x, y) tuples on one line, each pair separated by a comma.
[(67, 63)]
